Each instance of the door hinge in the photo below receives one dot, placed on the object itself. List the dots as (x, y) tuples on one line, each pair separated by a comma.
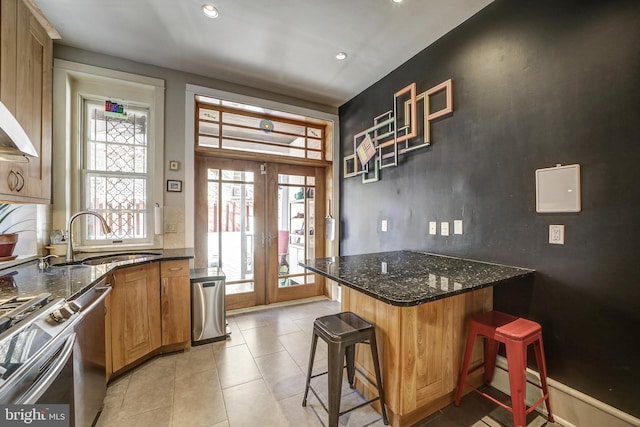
[(263, 169)]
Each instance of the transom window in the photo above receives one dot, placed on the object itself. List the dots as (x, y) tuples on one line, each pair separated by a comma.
[(223, 125), (116, 164)]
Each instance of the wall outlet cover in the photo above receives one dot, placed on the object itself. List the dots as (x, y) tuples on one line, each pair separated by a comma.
[(556, 234), (433, 228), (444, 228), (384, 225)]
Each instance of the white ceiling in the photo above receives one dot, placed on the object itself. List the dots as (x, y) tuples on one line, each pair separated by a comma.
[(282, 46)]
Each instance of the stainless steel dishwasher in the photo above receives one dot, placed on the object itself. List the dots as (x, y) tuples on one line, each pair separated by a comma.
[(89, 355), (208, 307)]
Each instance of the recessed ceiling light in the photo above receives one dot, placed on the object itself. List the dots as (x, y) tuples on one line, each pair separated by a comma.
[(396, 1), (210, 10), (340, 56)]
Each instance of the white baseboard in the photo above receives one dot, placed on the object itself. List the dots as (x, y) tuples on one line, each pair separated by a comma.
[(570, 407)]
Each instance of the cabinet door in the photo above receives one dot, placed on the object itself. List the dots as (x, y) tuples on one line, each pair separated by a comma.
[(176, 302), (135, 314), (26, 89)]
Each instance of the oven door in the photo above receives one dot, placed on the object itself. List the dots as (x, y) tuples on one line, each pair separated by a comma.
[(55, 383)]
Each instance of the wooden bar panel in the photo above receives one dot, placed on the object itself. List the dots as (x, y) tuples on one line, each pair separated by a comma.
[(421, 350)]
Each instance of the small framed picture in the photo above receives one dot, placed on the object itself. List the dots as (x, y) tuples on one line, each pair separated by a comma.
[(174, 165), (174, 186)]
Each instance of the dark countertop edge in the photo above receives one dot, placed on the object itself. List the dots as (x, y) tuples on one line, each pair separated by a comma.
[(167, 255), (126, 264), (412, 302), (526, 272)]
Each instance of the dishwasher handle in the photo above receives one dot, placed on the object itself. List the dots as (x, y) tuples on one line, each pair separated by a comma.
[(38, 389), (198, 310)]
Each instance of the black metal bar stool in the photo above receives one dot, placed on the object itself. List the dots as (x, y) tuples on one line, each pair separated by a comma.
[(342, 332)]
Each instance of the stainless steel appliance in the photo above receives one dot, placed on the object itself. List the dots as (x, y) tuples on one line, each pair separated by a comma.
[(89, 355), (53, 352), (36, 346), (208, 308)]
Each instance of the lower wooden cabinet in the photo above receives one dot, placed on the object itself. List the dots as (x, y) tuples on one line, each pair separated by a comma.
[(176, 302), (148, 311), (135, 314)]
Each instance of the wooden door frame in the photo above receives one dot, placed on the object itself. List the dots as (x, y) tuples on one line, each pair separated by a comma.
[(274, 293), (202, 164)]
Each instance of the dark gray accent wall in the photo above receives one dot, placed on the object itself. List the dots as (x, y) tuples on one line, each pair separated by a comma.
[(536, 83)]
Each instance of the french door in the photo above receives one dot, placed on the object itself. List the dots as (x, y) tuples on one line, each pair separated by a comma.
[(257, 221)]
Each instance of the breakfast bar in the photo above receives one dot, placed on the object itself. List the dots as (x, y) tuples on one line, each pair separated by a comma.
[(420, 304)]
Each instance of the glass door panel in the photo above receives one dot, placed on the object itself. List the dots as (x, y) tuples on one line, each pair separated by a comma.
[(227, 226), (295, 213), (231, 227)]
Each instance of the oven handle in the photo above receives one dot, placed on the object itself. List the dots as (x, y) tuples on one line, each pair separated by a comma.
[(102, 291), (52, 373)]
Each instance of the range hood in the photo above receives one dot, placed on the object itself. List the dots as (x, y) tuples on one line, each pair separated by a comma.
[(13, 139)]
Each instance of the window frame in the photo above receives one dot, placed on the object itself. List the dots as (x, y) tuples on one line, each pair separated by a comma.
[(86, 173), (72, 82)]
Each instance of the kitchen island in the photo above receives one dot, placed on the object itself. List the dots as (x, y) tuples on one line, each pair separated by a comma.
[(420, 304)]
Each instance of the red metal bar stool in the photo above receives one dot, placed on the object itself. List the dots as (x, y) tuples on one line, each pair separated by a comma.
[(342, 332), (516, 334)]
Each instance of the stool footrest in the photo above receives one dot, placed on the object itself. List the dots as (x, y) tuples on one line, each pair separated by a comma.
[(346, 411)]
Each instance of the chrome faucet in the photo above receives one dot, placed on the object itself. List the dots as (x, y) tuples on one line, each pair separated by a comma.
[(105, 229)]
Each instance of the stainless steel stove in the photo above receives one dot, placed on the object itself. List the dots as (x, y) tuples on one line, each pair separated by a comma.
[(12, 311), (36, 343)]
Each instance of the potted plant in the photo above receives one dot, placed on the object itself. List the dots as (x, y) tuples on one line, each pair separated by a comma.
[(8, 239)]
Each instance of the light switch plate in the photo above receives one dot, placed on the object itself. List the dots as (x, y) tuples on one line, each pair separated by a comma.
[(556, 234), (444, 228), (457, 226), (383, 225), (433, 228)]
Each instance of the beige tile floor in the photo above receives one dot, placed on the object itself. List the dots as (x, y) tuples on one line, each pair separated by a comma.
[(256, 378)]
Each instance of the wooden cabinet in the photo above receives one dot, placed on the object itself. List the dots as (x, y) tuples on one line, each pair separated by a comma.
[(135, 314), (26, 62), (176, 300), (148, 312)]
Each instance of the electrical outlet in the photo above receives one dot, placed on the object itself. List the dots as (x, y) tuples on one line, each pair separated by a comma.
[(171, 228), (457, 226), (444, 228), (556, 234), (433, 228), (383, 225)]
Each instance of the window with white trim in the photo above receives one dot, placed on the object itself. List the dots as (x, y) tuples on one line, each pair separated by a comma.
[(116, 181)]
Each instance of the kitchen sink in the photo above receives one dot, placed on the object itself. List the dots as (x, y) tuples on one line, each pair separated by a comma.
[(108, 259)]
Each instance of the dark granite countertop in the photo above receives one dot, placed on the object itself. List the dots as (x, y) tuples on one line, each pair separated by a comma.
[(69, 281), (412, 277)]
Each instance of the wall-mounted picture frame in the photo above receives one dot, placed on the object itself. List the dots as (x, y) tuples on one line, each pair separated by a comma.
[(174, 186), (174, 165)]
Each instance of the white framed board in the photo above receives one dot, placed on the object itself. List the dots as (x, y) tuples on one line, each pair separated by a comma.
[(558, 189)]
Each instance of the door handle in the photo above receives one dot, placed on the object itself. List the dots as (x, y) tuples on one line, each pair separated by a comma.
[(262, 240), (270, 239)]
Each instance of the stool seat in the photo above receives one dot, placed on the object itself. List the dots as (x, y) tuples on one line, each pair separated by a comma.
[(342, 325), (494, 324), (342, 332), (516, 334)]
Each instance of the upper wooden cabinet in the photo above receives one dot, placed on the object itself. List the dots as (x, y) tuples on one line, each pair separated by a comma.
[(26, 70)]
